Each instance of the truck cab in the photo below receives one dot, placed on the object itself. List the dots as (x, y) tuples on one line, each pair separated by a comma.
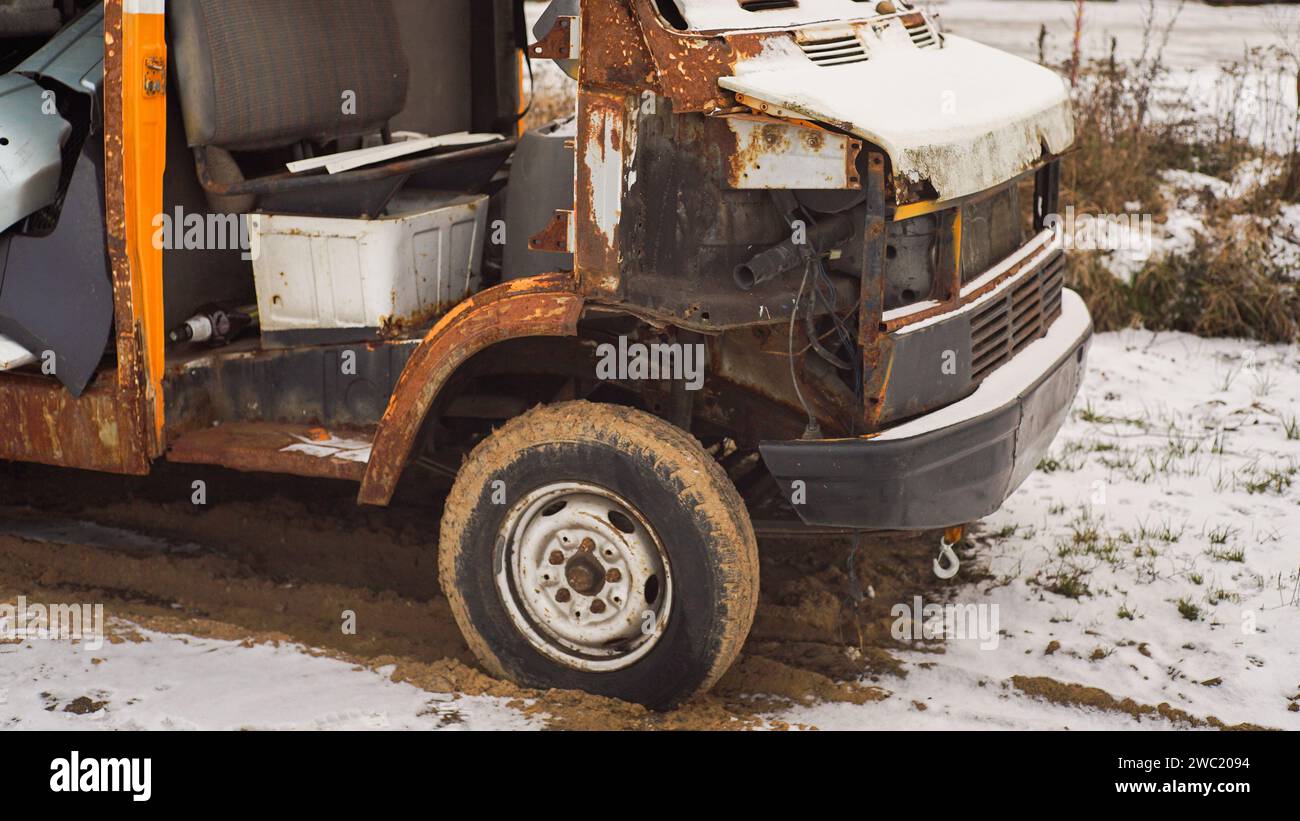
[(785, 260)]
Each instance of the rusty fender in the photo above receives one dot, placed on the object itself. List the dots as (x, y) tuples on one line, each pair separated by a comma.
[(545, 305)]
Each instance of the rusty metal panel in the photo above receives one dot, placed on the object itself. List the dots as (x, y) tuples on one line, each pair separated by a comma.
[(605, 149), (546, 305), (771, 154), (557, 237), (40, 421), (561, 43), (263, 448), (877, 352), (138, 439), (689, 64), (756, 361), (107, 429), (614, 53)]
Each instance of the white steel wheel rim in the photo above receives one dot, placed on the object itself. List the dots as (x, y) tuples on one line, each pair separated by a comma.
[(581, 588)]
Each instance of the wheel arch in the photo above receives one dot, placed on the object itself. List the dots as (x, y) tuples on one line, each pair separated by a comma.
[(540, 306)]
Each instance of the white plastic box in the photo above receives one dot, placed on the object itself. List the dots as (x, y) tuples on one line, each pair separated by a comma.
[(323, 279)]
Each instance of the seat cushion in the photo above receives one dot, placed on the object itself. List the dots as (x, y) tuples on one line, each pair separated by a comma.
[(255, 74)]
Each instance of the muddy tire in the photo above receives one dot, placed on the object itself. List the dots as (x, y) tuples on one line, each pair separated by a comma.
[(598, 548)]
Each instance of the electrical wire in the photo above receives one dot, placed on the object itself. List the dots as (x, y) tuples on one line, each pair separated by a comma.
[(532, 88), (825, 292), (813, 431)]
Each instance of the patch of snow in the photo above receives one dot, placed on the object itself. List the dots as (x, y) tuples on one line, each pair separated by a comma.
[(1252, 175), (1203, 35), (1285, 239), (1193, 185), (1190, 194), (1172, 495), (168, 682)]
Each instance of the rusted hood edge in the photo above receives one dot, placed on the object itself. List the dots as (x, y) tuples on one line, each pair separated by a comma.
[(965, 117)]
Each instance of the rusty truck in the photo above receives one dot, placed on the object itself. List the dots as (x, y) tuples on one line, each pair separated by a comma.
[(788, 261)]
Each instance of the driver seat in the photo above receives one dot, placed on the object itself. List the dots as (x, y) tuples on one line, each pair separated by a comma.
[(265, 75)]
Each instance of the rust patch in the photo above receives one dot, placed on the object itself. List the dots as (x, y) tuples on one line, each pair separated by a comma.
[(765, 152), (259, 448), (108, 429), (689, 64), (546, 305), (138, 441), (44, 423), (751, 392), (558, 42), (603, 125), (614, 51), (393, 327), (877, 353), (625, 47), (556, 236)]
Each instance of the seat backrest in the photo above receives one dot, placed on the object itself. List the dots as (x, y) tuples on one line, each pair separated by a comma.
[(258, 74)]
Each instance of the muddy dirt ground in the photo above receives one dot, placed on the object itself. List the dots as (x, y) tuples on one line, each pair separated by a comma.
[(270, 559)]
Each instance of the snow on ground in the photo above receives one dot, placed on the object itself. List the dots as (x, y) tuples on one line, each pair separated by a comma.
[(1152, 555), (1202, 41), (1203, 34), (156, 681)]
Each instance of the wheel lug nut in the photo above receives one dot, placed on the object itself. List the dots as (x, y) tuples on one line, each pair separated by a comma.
[(587, 546), (563, 595), (557, 557), (613, 575), (598, 606)]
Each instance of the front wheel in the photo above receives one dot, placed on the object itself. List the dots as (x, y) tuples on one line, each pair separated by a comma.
[(598, 548)]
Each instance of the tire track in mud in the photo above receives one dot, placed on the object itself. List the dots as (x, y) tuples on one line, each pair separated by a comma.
[(277, 560)]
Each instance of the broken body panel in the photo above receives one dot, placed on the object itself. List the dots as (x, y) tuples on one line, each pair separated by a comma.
[(939, 131), (697, 149)]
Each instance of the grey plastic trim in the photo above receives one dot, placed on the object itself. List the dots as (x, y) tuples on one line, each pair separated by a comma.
[(31, 150)]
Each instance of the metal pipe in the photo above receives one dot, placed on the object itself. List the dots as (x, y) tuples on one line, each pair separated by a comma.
[(786, 256)]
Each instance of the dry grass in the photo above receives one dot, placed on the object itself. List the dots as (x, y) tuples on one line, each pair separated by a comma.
[(1228, 284), (1224, 287), (553, 95)]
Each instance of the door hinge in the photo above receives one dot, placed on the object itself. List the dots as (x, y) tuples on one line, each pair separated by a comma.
[(560, 43), (155, 76)]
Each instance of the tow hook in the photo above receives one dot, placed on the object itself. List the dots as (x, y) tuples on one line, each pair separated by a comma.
[(947, 565)]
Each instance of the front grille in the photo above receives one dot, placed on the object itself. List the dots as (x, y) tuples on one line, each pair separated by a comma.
[(835, 51), (1013, 320)]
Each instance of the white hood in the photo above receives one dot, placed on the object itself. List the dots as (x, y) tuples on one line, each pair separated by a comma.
[(965, 116)]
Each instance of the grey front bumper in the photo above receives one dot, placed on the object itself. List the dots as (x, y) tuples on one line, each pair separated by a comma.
[(955, 465)]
